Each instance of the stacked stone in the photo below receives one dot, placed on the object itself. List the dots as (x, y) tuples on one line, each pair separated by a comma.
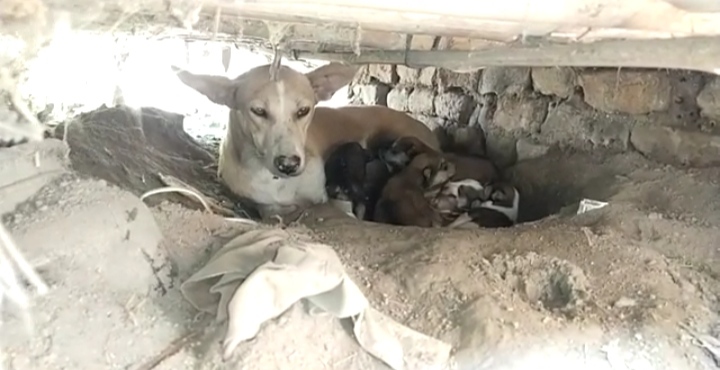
[(669, 116)]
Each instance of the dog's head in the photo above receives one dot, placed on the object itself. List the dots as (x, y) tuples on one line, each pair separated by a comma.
[(457, 195), (402, 151), (270, 117), (501, 194), (346, 168), (435, 169)]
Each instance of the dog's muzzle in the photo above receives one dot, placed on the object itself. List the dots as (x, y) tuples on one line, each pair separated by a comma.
[(288, 165)]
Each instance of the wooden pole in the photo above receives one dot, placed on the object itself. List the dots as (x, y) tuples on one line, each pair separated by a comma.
[(697, 53)]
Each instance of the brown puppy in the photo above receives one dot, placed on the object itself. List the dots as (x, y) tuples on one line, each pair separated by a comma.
[(403, 201), (404, 149)]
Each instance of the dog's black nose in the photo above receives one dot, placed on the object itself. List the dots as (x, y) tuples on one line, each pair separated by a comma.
[(287, 164)]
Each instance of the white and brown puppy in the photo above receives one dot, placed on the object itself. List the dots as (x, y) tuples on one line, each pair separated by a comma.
[(455, 196), (498, 207), (403, 200), (277, 139)]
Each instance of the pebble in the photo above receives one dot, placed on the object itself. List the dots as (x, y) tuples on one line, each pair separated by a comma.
[(655, 216), (625, 302)]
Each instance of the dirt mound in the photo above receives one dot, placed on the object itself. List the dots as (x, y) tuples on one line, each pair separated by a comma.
[(604, 289), (132, 148)]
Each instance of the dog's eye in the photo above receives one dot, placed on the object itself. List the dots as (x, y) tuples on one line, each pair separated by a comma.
[(262, 113), (302, 112)]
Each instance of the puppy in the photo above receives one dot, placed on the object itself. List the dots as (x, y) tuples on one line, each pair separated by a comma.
[(345, 175), (503, 198), (497, 207), (400, 152), (404, 149), (403, 201), (376, 176), (456, 196)]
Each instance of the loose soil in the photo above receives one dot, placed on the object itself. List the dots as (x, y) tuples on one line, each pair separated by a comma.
[(607, 289)]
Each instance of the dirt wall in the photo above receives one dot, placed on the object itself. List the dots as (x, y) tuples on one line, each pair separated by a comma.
[(667, 115)]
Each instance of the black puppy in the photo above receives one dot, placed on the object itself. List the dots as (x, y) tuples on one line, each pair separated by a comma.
[(345, 175)]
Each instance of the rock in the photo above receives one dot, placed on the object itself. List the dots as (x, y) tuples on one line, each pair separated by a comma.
[(558, 81), (572, 124), (484, 112), (454, 106), (632, 92), (427, 76), (527, 149), (371, 94), (397, 98), (421, 101), (21, 176), (407, 75), (709, 99), (505, 80), (625, 302), (468, 82), (683, 109), (676, 146), (384, 73), (520, 113), (362, 76)]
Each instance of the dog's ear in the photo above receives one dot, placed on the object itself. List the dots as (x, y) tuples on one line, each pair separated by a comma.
[(329, 78), (219, 89)]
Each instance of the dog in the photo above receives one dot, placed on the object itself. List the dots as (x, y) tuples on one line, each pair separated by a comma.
[(345, 174), (497, 207), (277, 140), (404, 149), (455, 197), (376, 177), (403, 200)]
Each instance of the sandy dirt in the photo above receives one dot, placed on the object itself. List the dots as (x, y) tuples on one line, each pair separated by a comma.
[(607, 289)]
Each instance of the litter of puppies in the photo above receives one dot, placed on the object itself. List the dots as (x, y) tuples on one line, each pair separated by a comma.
[(407, 183)]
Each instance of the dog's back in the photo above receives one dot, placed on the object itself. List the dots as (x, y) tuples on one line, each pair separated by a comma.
[(479, 169), (365, 125)]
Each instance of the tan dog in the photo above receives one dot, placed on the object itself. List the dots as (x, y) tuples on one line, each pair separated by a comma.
[(404, 149), (277, 139), (403, 200)]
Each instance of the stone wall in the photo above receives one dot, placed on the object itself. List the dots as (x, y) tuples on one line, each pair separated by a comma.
[(669, 116)]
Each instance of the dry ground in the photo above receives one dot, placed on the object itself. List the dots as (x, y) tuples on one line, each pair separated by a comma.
[(603, 290)]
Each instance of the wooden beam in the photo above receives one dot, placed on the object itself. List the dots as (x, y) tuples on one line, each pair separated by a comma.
[(489, 19), (697, 53)]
